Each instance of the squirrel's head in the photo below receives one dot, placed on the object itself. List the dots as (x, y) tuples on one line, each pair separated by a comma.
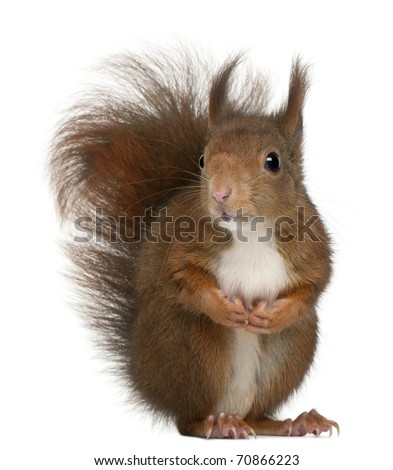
[(253, 159)]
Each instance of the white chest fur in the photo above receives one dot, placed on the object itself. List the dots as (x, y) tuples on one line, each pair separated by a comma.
[(251, 270)]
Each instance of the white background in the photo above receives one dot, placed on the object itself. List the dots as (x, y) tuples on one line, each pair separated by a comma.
[(58, 409)]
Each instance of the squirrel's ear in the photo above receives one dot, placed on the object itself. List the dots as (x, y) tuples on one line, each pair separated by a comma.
[(218, 98), (291, 115)]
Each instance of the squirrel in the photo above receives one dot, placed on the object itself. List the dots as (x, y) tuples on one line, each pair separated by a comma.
[(206, 257)]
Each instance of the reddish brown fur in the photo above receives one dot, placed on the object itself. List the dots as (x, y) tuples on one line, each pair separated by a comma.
[(156, 304)]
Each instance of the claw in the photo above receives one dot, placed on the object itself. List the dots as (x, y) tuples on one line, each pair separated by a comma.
[(209, 426), (252, 432), (244, 434), (248, 429)]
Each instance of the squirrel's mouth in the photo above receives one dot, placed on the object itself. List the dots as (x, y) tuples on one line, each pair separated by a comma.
[(238, 216), (226, 217)]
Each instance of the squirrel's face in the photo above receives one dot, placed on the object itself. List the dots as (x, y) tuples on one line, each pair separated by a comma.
[(252, 162), (249, 170)]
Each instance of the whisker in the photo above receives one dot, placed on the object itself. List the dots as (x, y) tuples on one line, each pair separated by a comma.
[(158, 193), (160, 178)]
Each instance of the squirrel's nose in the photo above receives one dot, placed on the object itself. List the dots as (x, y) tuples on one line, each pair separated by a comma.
[(222, 193)]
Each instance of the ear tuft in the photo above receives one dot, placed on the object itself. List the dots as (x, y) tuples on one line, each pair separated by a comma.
[(291, 112), (218, 98)]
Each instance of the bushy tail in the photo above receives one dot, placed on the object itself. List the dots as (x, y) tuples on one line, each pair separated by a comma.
[(123, 148)]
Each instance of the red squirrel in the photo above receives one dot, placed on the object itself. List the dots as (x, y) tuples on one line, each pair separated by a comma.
[(206, 257)]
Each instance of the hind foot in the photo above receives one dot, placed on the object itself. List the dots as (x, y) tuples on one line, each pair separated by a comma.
[(313, 423), (306, 423), (221, 426), (227, 426)]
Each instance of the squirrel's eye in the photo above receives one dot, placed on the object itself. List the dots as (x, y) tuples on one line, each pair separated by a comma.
[(202, 161), (272, 162)]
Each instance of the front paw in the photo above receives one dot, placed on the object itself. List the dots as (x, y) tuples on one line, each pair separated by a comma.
[(227, 311), (265, 318)]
